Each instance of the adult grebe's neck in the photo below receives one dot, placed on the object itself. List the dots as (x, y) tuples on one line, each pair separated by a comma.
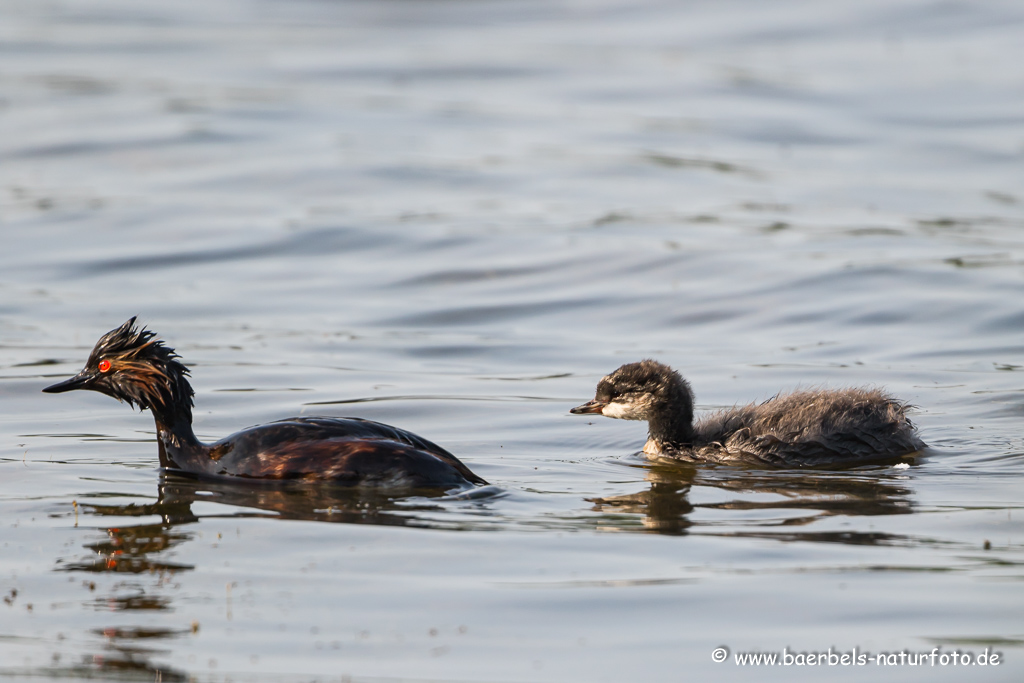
[(168, 395), (178, 432)]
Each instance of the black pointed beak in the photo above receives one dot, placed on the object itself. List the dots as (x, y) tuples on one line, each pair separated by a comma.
[(79, 381), (594, 406)]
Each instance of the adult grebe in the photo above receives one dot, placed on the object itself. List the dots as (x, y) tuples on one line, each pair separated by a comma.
[(818, 427), (132, 365)]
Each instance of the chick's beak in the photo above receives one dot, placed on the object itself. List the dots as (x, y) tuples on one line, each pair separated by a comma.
[(79, 381), (594, 406)]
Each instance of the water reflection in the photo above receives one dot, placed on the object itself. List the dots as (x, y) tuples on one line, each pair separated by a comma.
[(666, 508), (768, 500), (129, 549), (141, 550), (127, 653), (177, 496), (750, 504)]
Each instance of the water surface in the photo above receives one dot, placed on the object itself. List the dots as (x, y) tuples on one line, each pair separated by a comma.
[(456, 217)]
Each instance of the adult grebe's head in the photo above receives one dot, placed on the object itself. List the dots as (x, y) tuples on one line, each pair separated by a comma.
[(640, 391), (132, 365)]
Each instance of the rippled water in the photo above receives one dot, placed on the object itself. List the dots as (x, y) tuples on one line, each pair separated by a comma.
[(455, 217)]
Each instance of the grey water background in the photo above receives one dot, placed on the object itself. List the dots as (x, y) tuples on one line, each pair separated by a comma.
[(456, 217)]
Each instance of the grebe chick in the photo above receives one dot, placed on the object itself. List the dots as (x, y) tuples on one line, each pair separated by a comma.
[(803, 428), (132, 365)]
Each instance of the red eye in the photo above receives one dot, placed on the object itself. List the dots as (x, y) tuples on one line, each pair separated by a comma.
[(104, 365)]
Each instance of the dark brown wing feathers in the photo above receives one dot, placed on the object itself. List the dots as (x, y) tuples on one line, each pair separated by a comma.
[(344, 450)]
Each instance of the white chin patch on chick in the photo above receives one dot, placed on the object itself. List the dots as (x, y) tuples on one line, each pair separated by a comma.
[(620, 411)]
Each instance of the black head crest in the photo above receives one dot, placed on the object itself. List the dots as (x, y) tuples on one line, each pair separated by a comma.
[(131, 364), (127, 342), (145, 372)]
